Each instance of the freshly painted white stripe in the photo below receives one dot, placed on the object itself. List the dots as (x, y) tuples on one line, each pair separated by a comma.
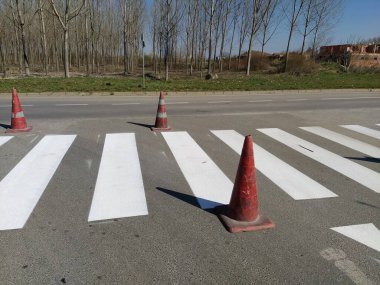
[(360, 174), (3, 140), (345, 141), (122, 104), (289, 179), (219, 102), (363, 130), (21, 189), (260, 101), (69, 104), (366, 234), (119, 190), (209, 184)]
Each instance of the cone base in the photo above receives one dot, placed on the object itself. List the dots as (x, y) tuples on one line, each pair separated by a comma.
[(19, 130), (154, 129), (234, 226)]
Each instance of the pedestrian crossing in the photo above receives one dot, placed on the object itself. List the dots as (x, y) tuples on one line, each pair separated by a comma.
[(119, 189), (360, 174), (290, 180), (363, 130), (209, 184), (3, 140), (21, 189)]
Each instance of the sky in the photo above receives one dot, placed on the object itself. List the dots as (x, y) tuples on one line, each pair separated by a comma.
[(359, 19)]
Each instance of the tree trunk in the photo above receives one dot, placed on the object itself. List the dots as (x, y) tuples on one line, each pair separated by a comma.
[(23, 40), (66, 52), (87, 41), (210, 35), (307, 21), (253, 32), (43, 37)]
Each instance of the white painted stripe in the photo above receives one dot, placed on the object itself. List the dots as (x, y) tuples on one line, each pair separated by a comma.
[(340, 260), (350, 98), (177, 103), (119, 190), (21, 189), (345, 141), (209, 184), (219, 102), (70, 105), (337, 98), (366, 234), (289, 179), (260, 101), (378, 124), (3, 140), (7, 106), (360, 174), (363, 130), (122, 104), (294, 100)]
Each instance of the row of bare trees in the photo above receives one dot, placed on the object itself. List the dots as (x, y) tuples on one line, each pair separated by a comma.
[(100, 36)]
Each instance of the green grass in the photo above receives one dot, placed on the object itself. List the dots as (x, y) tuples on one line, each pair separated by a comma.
[(321, 80)]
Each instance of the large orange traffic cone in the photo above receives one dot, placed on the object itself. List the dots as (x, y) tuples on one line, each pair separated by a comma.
[(18, 121), (242, 214), (161, 123)]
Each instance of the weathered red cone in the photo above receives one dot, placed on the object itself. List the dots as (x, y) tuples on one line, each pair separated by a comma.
[(242, 214), (18, 121), (161, 123)]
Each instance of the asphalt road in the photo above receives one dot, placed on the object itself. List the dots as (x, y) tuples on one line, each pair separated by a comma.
[(178, 241)]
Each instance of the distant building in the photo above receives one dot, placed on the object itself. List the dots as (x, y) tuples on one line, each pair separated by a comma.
[(358, 55)]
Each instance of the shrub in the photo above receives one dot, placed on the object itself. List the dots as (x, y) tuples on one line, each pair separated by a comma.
[(299, 64)]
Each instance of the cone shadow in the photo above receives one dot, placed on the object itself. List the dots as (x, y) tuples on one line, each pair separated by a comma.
[(5, 126), (204, 204), (367, 204), (366, 158), (141, 125)]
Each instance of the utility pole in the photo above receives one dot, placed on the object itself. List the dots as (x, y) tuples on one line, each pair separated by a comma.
[(143, 61)]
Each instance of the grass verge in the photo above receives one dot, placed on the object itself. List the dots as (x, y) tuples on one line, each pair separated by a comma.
[(320, 80)]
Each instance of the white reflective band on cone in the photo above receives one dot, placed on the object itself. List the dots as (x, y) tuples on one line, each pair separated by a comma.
[(18, 115), (162, 115)]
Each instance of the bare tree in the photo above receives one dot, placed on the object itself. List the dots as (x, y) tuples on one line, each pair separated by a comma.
[(244, 27), (255, 25), (20, 5), (225, 18), (292, 15), (43, 35), (235, 19), (308, 15), (325, 18), (211, 23), (271, 19), (67, 16)]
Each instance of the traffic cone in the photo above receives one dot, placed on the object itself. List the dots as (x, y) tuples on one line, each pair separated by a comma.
[(18, 122), (161, 123), (242, 214)]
